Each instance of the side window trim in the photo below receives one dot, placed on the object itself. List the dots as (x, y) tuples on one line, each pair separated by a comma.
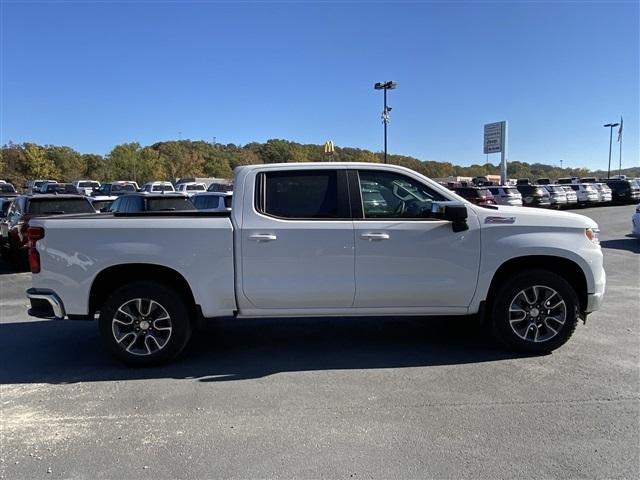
[(343, 197)]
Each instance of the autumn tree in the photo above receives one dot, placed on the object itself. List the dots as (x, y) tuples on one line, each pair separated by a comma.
[(37, 164)]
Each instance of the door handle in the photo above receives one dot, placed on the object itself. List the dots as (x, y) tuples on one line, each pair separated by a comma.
[(375, 236), (263, 237)]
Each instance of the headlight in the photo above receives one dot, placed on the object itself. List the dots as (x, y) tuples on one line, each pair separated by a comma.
[(593, 235)]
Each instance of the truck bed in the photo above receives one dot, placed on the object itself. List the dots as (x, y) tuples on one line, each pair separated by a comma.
[(198, 246)]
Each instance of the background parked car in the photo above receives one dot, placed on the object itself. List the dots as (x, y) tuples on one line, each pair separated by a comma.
[(635, 222), (191, 188), (5, 203), (586, 192), (155, 187), (477, 195), (623, 191), (33, 186), (64, 188), (557, 195), (13, 235), (213, 201), (151, 202), (7, 190), (534, 196), (572, 197), (504, 195), (102, 203), (86, 187), (604, 192), (115, 188)]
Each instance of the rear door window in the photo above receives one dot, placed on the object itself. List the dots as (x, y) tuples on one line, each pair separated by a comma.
[(311, 194)]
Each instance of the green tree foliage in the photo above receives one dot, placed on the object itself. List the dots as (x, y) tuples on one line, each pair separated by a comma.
[(185, 158), (38, 164)]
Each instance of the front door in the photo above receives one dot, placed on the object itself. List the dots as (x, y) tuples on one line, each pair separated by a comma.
[(297, 241), (404, 257)]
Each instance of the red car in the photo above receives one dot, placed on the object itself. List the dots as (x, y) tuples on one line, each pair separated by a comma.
[(478, 195), (13, 228)]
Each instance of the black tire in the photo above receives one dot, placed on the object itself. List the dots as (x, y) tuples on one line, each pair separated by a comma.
[(169, 345), (525, 281)]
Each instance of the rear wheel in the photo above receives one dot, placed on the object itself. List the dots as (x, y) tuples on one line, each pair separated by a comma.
[(145, 323), (535, 312)]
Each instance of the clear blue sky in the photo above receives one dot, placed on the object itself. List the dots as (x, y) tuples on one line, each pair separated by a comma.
[(94, 74)]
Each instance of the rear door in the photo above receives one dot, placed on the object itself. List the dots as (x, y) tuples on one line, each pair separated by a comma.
[(405, 257), (297, 240)]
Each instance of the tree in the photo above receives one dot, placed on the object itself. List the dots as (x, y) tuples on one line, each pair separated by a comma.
[(122, 162), (67, 161), (37, 163)]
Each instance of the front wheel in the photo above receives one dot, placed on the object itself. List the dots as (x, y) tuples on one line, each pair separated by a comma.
[(535, 312), (145, 323)]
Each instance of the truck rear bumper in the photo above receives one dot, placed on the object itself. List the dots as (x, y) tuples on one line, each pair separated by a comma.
[(45, 304)]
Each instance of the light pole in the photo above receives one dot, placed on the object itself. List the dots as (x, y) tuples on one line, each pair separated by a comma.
[(610, 125), (561, 164), (388, 85)]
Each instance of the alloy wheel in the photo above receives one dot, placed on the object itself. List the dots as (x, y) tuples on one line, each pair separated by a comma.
[(141, 326), (537, 313)]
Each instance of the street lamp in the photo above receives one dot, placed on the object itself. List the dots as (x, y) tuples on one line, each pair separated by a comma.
[(610, 125), (388, 85)]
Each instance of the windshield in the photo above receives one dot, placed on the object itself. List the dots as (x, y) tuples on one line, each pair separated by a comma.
[(7, 188), (196, 187), (169, 204), (59, 206)]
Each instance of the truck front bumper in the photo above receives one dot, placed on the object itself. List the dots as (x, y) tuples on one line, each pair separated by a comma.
[(594, 300), (45, 304)]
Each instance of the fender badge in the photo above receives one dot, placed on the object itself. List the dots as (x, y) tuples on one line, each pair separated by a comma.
[(500, 220)]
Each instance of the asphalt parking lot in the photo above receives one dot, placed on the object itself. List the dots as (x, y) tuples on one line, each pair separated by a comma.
[(343, 398)]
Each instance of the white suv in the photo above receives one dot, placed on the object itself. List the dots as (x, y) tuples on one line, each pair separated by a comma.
[(604, 192), (504, 195), (586, 193)]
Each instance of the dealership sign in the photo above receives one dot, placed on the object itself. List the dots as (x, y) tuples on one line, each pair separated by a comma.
[(494, 136)]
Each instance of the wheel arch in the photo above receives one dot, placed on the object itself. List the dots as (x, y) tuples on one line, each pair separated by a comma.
[(563, 267), (112, 277)]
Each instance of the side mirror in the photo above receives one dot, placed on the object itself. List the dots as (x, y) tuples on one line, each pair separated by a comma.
[(455, 213)]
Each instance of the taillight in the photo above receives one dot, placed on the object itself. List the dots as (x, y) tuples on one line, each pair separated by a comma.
[(33, 235)]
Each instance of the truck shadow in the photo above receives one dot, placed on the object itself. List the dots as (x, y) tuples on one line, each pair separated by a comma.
[(60, 352), (631, 244)]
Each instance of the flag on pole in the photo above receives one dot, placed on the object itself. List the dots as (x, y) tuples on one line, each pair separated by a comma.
[(620, 129)]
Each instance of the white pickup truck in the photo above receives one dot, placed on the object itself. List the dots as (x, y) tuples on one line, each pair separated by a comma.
[(318, 239)]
